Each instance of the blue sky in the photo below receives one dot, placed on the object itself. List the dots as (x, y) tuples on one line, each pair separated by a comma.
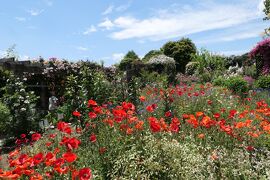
[(106, 30)]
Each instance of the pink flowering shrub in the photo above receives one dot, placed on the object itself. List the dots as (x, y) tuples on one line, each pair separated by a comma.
[(262, 51)]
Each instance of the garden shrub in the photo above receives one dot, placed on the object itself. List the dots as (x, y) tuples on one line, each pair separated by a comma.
[(205, 77), (250, 71), (237, 84), (261, 53), (127, 61), (219, 81), (4, 119), (163, 64), (191, 68), (21, 104), (181, 51), (263, 82)]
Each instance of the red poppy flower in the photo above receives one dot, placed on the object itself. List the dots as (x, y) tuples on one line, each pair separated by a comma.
[(168, 114), (69, 157), (150, 108), (23, 158), (129, 131), (174, 127), (36, 176), (36, 136), (92, 103), (139, 125), (23, 136), (250, 148), (76, 113), (73, 143), (48, 144), (61, 125), (52, 136), (85, 174), (233, 112), (92, 115), (199, 114), (59, 162), (38, 158), (216, 115), (185, 116), (142, 98), (154, 124), (61, 170), (93, 138)]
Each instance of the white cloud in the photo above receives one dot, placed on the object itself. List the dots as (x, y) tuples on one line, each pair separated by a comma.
[(233, 52), (182, 22), (90, 30), (35, 12), (120, 8), (123, 7), (108, 10), (48, 2), (107, 24), (244, 31), (21, 19), (81, 48)]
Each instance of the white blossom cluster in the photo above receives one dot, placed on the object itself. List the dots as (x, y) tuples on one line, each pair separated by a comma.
[(234, 71)]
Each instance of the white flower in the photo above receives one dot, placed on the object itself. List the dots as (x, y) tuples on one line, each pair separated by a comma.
[(23, 109)]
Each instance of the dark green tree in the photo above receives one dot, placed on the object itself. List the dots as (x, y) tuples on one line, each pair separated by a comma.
[(182, 51), (127, 61), (151, 54), (267, 17)]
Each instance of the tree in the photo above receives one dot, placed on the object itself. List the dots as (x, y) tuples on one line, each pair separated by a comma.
[(267, 13), (182, 52), (151, 54), (128, 59), (11, 52)]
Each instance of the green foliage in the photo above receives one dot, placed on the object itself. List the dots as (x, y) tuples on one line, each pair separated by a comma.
[(151, 54), (153, 77), (209, 61), (237, 84), (127, 61), (234, 60), (250, 71), (208, 65), (4, 119), (182, 52), (267, 13), (191, 68), (263, 82), (163, 65), (21, 104), (219, 81), (4, 75)]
